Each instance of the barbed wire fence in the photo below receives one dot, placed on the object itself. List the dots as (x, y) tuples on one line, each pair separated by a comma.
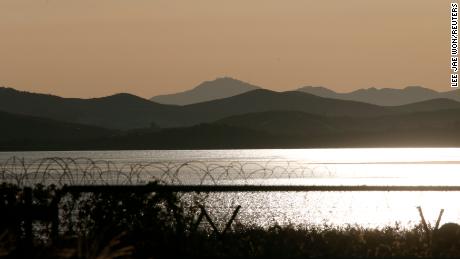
[(217, 194), (214, 211), (84, 171)]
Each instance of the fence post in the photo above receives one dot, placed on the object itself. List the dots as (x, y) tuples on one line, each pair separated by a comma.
[(425, 225), (28, 216), (208, 218), (214, 227), (55, 216), (195, 224), (439, 219), (229, 223)]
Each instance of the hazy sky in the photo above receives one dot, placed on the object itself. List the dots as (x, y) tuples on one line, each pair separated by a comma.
[(86, 48)]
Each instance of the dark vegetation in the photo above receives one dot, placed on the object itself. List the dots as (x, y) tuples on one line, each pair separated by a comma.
[(161, 225), (276, 129), (29, 128)]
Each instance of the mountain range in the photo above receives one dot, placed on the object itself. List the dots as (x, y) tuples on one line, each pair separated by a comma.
[(384, 96), (119, 111), (256, 118), (126, 111), (227, 87)]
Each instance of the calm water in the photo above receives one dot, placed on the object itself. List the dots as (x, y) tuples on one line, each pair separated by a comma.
[(386, 166)]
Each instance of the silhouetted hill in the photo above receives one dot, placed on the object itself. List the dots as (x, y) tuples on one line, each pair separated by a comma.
[(202, 136), (206, 91), (264, 100), (261, 100), (453, 94), (384, 96), (320, 91), (391, 97), (273, 129), (227, 87), (295, 123), (287, 123), (119, 111), (126, 111), (23, 128), (430, 105)]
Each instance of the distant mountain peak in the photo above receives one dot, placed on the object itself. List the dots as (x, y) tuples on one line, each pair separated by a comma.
[(121, 96), (224, 79), (384, 96), (415, 87), (221, 87), (315, 87), (221, 82), (320, 91), (420, 89), (383, 89)]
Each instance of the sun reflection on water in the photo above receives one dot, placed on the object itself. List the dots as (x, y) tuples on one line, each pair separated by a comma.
[(353, 166)]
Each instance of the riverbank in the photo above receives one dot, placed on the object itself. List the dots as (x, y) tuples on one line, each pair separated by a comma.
[(128, 225)]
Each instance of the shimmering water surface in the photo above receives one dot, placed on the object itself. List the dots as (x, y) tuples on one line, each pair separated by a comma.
[(375, 166)]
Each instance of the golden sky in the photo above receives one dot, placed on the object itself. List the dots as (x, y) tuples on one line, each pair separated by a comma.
[(88, 48)]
